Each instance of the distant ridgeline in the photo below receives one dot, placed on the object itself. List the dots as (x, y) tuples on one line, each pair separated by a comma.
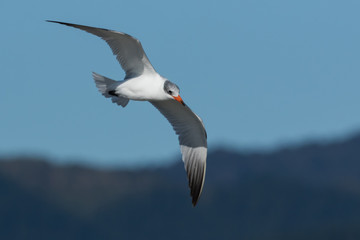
[(306, 192)]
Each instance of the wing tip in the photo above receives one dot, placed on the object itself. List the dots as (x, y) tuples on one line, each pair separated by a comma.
[(82, 27), (195, 200), (196, 184), (51, 21), (196, 193)]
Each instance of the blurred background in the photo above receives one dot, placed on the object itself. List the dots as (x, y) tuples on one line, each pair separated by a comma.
[(276, 83)]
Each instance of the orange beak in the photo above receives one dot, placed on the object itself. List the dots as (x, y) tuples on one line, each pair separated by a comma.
[(178, 98)]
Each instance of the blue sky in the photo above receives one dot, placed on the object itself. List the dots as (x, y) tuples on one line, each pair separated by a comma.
[(259, 73)]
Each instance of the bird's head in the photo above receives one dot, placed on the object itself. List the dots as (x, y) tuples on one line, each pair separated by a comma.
[(173, 91)]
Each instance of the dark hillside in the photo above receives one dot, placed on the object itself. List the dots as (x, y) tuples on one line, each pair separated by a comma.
[(306, 192)]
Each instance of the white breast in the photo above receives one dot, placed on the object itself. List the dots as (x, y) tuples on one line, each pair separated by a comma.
[(143, 88)]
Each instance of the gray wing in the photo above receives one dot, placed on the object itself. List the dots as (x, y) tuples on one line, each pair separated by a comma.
[(193, 142), (128, 50)]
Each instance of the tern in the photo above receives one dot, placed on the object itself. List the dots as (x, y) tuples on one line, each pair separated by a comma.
[(143, 83)]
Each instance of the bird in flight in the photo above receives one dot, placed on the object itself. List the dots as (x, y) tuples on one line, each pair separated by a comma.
[(143, 83)]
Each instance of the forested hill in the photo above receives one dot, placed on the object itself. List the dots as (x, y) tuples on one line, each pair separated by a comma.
[(306, 192)]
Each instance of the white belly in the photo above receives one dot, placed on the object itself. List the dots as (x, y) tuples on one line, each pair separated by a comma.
[(143, 88)]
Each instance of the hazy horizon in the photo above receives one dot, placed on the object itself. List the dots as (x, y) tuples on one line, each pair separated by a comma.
[(144, 163)]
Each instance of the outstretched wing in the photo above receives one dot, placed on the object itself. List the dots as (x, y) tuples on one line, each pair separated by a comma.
[(193, 143), (128, 50)]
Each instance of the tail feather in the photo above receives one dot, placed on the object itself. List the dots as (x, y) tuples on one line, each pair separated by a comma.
[(105, 85)]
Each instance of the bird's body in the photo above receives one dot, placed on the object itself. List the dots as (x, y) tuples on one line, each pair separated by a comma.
[(143, 83), (143, 88)]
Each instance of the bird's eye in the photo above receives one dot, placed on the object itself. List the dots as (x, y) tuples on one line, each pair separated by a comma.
[(170, 92)]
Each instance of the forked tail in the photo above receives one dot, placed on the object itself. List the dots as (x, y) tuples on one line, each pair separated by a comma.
[(106, 86)]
